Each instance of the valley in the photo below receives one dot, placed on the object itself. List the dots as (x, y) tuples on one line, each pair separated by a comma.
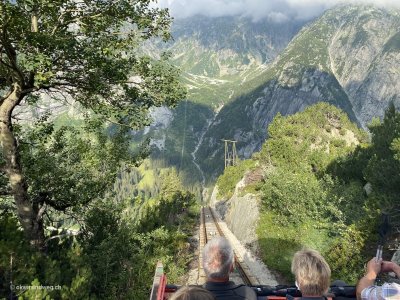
[(257, 69)]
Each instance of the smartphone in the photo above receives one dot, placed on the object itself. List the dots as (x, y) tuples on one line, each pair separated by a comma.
[(378, 253)]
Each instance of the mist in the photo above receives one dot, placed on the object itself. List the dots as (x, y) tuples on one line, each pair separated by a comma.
[(275, 10)]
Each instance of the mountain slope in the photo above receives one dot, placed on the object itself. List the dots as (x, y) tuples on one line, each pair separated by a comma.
[(365, 58), (221, 59), (218, 55), (334, 59)]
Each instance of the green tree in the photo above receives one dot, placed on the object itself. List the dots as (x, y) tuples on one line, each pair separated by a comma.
[(308, 196), (83, 50), (383, 168), (294, 196), (72, 166)]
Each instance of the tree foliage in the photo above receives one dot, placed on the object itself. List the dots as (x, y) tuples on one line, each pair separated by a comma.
[(345, 255), (112, 259), (294, 197), (312, 206), (119, 241), (87, 52), (383, 167), (232, 174), (71, 166), (169, 208)]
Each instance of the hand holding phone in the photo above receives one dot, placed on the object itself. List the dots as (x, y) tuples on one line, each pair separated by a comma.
[(378, 255)]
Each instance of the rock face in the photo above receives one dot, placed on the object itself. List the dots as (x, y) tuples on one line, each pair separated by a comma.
[(219, 59), (228, 43), (365, 58), (349, 57), (241, 214), (240, 74), (242, 218)]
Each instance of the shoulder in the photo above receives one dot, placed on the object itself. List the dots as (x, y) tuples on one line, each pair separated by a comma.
[(378, 292), (228, 285), (246, 292), (230, 291)]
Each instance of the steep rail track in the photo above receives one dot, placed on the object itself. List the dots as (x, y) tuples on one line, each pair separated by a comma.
[(210, 228)]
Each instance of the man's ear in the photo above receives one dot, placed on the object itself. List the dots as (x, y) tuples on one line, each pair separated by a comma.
[(232, 267)]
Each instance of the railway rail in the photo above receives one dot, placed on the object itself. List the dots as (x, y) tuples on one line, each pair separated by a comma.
[(210, 228)]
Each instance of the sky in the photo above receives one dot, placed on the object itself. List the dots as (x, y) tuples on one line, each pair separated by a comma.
[(276, 10)]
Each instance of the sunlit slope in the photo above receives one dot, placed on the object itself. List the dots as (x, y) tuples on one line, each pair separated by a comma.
[(219, 55), (311, 70), (220, 59)]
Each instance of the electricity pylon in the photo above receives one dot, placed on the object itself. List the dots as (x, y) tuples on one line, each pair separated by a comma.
[(231, 157)]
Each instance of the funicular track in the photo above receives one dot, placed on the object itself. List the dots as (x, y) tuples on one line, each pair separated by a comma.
[(210, 228)]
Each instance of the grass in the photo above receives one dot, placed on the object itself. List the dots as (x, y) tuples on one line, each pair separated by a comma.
[(231, 176)]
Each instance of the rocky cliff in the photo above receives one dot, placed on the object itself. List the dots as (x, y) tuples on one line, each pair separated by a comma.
[(349, 57), (240, 74), (221, 59), (364, 53), (240, 213)]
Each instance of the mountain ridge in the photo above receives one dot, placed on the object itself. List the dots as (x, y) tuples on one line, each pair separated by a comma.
[(340, 58)]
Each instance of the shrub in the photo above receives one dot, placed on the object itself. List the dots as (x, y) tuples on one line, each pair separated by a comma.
[(293, 196), (232, 175), (344, 256)]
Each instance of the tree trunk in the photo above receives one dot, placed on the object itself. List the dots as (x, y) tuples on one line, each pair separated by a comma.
[(28, 213)]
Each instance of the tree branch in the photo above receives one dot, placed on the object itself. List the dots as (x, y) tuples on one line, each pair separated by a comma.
[(41, 212), (5, 97), (11, 54), (30, 90), (5, 64)]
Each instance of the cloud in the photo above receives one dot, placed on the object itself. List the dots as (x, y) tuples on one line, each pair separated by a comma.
[(277, 10)]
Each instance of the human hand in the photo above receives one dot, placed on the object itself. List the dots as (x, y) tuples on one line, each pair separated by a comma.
[(389, 266), (374, 267)]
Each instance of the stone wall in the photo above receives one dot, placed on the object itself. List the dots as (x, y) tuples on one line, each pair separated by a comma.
[(241, 213)]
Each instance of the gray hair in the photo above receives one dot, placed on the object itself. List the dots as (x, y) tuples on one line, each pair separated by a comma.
[(217, 258)]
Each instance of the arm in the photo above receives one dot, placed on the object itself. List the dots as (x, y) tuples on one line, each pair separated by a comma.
[(373, 269)]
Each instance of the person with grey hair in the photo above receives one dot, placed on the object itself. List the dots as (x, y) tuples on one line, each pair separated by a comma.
[(218, 263)]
